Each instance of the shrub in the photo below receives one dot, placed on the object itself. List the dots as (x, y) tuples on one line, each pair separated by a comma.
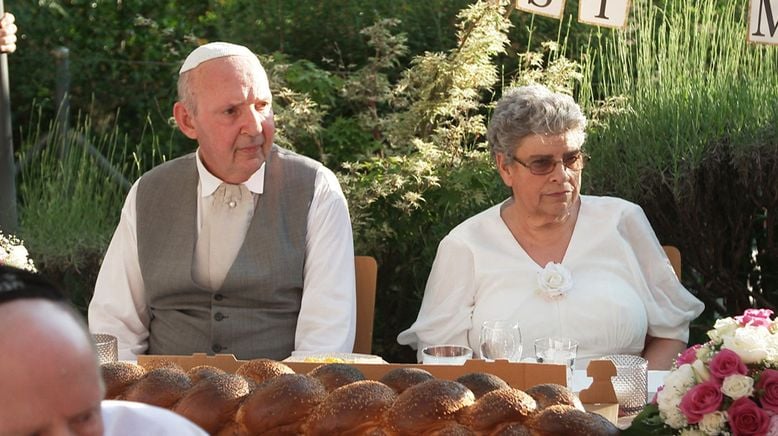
[(690, 134)]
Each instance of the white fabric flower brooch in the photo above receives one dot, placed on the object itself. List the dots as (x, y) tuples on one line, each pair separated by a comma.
[(555, 281)]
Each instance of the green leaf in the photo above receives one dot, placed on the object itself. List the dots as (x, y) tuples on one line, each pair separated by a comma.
[(648, 422)]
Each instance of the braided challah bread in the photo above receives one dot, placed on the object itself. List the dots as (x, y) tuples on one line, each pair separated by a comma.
[(264, 397)]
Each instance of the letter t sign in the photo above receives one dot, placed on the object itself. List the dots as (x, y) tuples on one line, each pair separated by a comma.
[(605, 13)]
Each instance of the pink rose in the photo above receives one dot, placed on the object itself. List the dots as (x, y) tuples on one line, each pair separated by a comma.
[(725, 363), (688, 356), (755, 317), (773, 429), (655, 400), (746, 418), (767, 386), (701, 400)]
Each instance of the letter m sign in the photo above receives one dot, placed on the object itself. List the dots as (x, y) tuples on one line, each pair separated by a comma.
[(763, 21)]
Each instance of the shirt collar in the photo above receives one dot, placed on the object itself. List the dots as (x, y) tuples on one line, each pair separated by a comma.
[(209, 183)]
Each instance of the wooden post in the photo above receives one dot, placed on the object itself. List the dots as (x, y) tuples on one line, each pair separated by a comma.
[(8, 215)]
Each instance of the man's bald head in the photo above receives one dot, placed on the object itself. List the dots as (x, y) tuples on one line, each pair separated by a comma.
[(49, 376)]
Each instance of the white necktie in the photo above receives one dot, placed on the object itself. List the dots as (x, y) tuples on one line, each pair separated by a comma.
[(222, 234)]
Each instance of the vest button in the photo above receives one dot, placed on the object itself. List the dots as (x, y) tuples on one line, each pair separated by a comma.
[(218, 297), (232, 204), (216, 348), (219, 316)]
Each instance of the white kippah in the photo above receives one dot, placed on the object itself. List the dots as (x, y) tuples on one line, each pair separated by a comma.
[(213, 50)]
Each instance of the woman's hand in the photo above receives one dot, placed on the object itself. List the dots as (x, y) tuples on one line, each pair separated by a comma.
[(7, 33), (661, 352)]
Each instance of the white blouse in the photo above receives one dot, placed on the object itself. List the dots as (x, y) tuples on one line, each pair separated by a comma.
[(623, 286)]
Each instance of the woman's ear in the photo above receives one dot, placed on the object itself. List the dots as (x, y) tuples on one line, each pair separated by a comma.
[(505, 168), (184, 120)]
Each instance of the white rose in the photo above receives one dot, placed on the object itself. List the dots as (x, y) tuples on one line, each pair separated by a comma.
[(705, 354), (772, 350), (674, 418), (700, 371), (736, 386), (554, 280), (750, 343), (713, 423), (680, 380), (723, 328), (17, 256), (691, 432)]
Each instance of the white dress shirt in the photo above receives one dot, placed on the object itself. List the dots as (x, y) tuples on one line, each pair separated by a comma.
[(327, 319), (623, 286), (128, 418)]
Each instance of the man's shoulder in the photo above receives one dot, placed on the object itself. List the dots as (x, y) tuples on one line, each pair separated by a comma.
[(186, 160), (290, 157), (173, 168)]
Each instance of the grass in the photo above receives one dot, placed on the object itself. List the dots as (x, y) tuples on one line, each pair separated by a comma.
[(71, 198)]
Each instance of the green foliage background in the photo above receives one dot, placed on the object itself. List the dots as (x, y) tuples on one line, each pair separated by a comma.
[(395, 96)]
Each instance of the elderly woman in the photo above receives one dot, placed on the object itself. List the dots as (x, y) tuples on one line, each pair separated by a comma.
[(557, 262)]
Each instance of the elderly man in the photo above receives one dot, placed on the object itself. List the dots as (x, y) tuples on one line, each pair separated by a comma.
[(241, 247), (49, 379)]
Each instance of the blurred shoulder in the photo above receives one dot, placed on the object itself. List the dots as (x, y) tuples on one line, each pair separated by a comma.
[(122, 418)]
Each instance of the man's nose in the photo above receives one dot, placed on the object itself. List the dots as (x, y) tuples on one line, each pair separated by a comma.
[(252, 124)]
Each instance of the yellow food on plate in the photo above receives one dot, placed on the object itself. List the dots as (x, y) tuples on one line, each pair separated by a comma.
[(325, 359)]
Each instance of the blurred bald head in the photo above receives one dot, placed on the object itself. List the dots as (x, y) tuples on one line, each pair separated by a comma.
[(49, 377)]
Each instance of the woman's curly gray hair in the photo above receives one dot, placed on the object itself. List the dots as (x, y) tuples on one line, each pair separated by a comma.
[(533, 109)]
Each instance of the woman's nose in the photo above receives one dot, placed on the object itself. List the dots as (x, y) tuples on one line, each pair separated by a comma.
[(560, 172)]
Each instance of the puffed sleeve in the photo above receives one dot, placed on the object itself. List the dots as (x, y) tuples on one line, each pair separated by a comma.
[(446, 309), (669, 306)]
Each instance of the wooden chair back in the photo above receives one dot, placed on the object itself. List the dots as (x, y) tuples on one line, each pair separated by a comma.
[(366, 269), (674, 254)]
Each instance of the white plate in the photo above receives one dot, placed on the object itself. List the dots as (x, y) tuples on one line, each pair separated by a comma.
[(332, 357)]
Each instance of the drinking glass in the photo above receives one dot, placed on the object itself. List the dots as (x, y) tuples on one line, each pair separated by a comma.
[(107, 347), (501, 340), (630, 383), (557, 350)]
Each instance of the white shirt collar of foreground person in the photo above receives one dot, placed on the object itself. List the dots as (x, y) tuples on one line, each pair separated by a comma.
[(127, 418)]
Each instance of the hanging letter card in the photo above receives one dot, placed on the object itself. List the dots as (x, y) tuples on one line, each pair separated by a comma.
[(763, 21), (549, 8), (605, 13)]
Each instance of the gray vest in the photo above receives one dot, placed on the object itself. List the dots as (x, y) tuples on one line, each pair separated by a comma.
[(254, 314)]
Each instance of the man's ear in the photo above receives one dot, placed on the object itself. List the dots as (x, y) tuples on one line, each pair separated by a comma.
[(184, 120)]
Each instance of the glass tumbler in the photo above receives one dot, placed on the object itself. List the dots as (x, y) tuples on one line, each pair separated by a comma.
[(501, 340), (630, 382), (107, 347), (557, 350)]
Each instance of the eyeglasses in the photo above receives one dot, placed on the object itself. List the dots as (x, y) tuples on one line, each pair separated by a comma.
[(545, 165)]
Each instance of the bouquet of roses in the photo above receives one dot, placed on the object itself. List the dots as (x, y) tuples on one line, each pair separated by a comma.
[(13, 253), (727, 386)]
